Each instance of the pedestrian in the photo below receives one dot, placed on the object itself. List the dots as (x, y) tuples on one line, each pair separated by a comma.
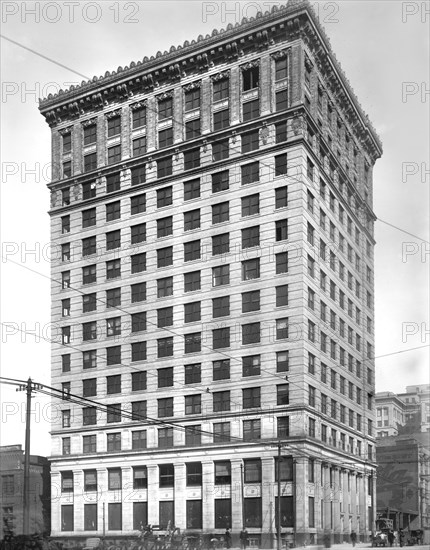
[(401, 537), (390, 536), (353, 538), (227, 538), (243, 538)]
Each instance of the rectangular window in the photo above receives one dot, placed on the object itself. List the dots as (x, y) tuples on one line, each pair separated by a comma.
[(192, 312), (221, 338), (221, 275), (282, 394), (220, 244), (113, 240), (165, 438), (192, 251), (220, 181), (251, 269), (250, 237), (165, 138), (250, 141), (114, 155), (192, 159), (165, 256), (283, 426), (165, 407), (193, 373), (251, 110), (67, 523), (251, 333), (138, 411), (192, 99), (192, 281), (90, 162), (221, 432), (114, 516), (138, 204), (250, 78), (221, 369), (281, 165), (221, 119), (220, 150), (220, 89), (193, 436), (193, 404), (140, 515), (251, 398), (281, 100), (251, 430), (192, 220), (281, 132), (220, 212), (221, 306), (192, 129), (139, 146), (138, 439), (250, 173), (165, 108), (89, 444), (138, 379), (164, 167), (90, 134), (191, 189), (138, 262), (221, 401)]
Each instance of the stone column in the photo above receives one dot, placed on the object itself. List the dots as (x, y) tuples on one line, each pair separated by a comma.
[(296, 75), (127, 495), (153, 495), (235, 88), (236, 499), (205, 105), (178, 128), (265, 90), (78, 500), (208, 513), (55, 503), (336, 505), (102, 500), (180, 495), (301, 500), (101, 141), (151, 124), (268, 529), (125, 133)]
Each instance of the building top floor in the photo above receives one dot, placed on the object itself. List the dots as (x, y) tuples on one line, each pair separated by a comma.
[(293, 23)]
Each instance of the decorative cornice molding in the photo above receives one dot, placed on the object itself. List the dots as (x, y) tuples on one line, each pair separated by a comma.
[(65, 131), (192, 86), (220, 76), (138, 105), (113, 114), (165, 95)]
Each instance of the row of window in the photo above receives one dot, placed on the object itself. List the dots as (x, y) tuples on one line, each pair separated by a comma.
[(222, 516)]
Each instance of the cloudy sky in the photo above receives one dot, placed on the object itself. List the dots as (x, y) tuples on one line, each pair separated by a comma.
[(383, 48)]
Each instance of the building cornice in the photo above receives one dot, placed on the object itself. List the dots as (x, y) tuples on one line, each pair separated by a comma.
[(296, 19)]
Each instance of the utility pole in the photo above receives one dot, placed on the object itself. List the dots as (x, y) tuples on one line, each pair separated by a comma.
[(28, 388)]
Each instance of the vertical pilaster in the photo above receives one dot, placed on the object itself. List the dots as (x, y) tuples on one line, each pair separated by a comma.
[(235, 104), (178, 108), (236, 496), (125, 133), (208, 495), (268, 502), (127, 504), (180, 495), (266, 88), (153, 492), (78, 501), (301, 501), (151, 123), (101, 140), (205, 105)]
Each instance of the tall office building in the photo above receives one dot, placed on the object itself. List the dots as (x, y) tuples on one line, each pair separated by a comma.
[(213, 289)]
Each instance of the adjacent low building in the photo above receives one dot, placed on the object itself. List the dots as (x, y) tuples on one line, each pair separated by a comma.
[(12, 491)]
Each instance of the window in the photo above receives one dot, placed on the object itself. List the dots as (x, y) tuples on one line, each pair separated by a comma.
[(192, 129), (89, 444), (138, 116), (221, 369), (193, 435), (192, 159), (251, 365), (164, 167), (192, 251), (311, 363), (139, 146), (88, 217), (113, 384), (192, 99), (192, 189), (220, 212), (251, 301), (192, 312), (138, 321), (220, 244), (282, 394), (281, 262), (65, 446), (138, 411), (221, 432), (113, 240), (165, 256), (66, 483), (250, 173), (220, 89), (311, 396), (251, 110), (114, 516), (137, 204), (251, 269), (89, 359), (281, 68), (138, 439), (140, 477), (89, 387), (251, 205), (281, 230), (251, 398), (192, 281), (65, 280), (220, 181), (164, 227), (282, 361), (113, 355), (113, 269), (222, 472), (193, 373), (166, 475), (90, 134), (284, 468), (220, 275), (251, 333), (221, 401), (221, 119), (250, 78), (283, 426), (90, 162), (192, 220), (65, 307), (282, 295), (138, 175), (138, 379), (114, 155), (251, 237), (165, 317), (250, 141), (165, 108), (281, 165), (65, 363), (113, 326), (89, 416), (67, 523), (221, 306), (222, 513), (138, 262), (194, 474), (165, 377), (165, 407), (65, 224), (89, 246), (220, 150), (221, 338), (89, 330), (281, 132), (281, 329), (193, 404), (65, 418), (165, 437), (165, 138), (251, 430), (281, 100)]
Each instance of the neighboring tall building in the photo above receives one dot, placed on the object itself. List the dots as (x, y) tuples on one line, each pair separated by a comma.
[(212, 207), (408, 411), (12, 492)]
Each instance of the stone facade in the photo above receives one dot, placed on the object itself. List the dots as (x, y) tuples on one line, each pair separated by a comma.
[(269, 208)]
